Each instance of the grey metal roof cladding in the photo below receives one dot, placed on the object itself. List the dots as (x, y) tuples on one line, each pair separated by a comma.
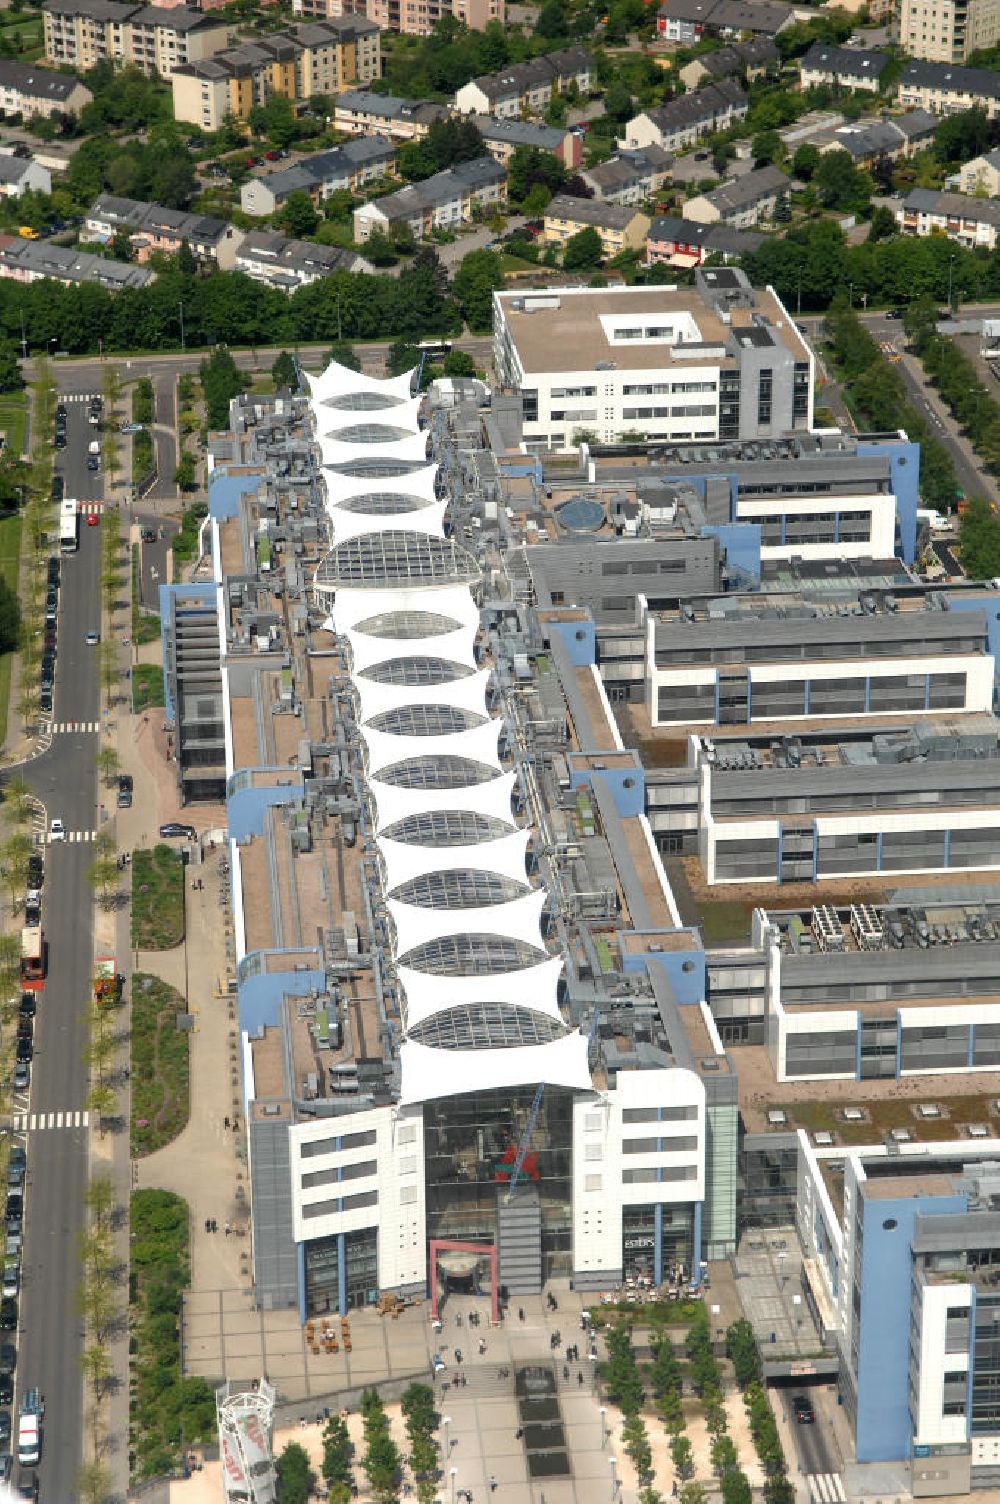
[(929, 626), (135, 214), (717, 237), (590, 211), (704, 104), (958, 205), (754, 187)]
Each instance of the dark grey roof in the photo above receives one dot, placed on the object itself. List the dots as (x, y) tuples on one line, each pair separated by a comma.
[(844, 62), (305, 255), (976, 82), (44, 259), (564, 63), (439, 189), (178, 17), (711, 237), (388, 107), (703, 105), (955, 205), (38, 82), (591, 211), (138, 216), (340, 161), (765, 16), (519, 132), (752, 188), (97, 10), (12, 169)]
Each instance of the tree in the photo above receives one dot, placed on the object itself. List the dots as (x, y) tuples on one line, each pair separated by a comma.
[(529, 166), (102, 1101), (296, 1479), (121, 245), (14, 854), (106, 762), (93, 1483), (379, 249), (767, 147), (221, 381), (693, 1493), (479, 274), (840, 184), (18, 800), (682, 1456), (284, 371), (344, 355), (458, 363), (736, 1488), (883, 224), (583, 250), (100, 1199), (298, 216), (184, 471), (11, 379), (96, 1365), (337, 1453), (741, 1348)]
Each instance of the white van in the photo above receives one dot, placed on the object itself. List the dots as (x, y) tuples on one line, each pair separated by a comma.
[(94, 447)]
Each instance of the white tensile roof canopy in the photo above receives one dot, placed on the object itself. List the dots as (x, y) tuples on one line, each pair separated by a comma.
[(399, 590)]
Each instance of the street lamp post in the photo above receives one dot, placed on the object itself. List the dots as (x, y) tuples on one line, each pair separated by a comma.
[(183, 344), (454, 1474), (446, 1422), (951, 270), (613, 1461), (604, 1428)]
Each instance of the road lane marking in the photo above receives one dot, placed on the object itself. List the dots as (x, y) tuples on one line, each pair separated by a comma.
[(36, 1122), (826, 1488)]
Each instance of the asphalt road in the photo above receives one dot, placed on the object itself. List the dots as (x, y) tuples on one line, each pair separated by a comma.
[(153, 557), (50, 1335), (815, 1445)]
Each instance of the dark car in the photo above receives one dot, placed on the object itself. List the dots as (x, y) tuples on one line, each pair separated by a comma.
[(8, 1357), (22, 1076), (25, 1049), (60, 438), (32, 916), (58, 488), (25, 1026), (17, 1165), (53, 569), (5, 1417), (148, 535), (93, 463), (6, 1466), (802, 1407), (173, 829), (61, 410), (8, 1323), (6, 1389), (36, 870), (45, 701), (27, 1485)]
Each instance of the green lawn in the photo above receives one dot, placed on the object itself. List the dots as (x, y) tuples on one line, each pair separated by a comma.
[(13, 416), (160, 1091), (157, 898), (10, 548), (147, 686)]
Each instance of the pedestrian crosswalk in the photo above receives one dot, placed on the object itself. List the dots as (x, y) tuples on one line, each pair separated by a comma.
[(57, 728), (78, 396), (72, 835), (826, 1488), (91, 508), (34, 1122)]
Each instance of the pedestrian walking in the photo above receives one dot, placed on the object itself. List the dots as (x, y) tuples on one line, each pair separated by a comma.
[(228, 1229), (519, 1433), (482, 1347), (520, 1313), (225, 1122), (493, 1484)]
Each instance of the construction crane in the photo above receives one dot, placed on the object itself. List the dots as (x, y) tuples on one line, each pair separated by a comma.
[(529, 1127)]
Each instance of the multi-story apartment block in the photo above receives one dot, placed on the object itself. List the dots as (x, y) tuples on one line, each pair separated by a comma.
[(413, 17), (439, 202), (297, 62), (27, 90), (156, 39), (947, 31), (682, 121), (348, 167), (151, 228), (945, 90), (711, 362), (526, 88), (621, 227)]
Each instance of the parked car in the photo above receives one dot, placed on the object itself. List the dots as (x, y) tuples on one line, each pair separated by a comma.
[(174, 828), (22, 1075), (8, 1322), (802, 1407), (8, 1357)]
